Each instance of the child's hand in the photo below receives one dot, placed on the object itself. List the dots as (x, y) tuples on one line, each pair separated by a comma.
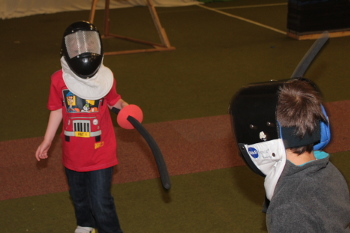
[(41, 152), (120, 104), (123, 104)]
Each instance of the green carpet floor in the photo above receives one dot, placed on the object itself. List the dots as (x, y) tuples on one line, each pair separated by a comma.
[(220, 201), (215, 55)]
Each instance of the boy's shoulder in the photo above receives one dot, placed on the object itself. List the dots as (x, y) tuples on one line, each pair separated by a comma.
[(57, 80), (57, 75)]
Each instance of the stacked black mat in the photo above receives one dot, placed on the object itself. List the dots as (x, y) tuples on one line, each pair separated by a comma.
[(305, 16)]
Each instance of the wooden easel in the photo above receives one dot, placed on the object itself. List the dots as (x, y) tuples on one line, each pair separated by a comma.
[(164, 46)]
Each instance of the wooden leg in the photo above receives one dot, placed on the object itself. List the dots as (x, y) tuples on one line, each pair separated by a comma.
[(92, 12), (161, 32), (107, 19), (163, 46)]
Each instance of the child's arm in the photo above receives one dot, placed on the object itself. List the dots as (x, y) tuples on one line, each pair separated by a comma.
[(120, 104), (54, 121)]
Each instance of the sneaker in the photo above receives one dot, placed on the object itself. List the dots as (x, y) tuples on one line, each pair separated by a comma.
[(84, 230)]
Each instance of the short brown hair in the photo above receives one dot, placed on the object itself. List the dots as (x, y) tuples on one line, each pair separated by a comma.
[(299, 106)]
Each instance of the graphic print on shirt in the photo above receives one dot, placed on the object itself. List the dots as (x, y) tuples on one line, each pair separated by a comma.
[(83, 115)]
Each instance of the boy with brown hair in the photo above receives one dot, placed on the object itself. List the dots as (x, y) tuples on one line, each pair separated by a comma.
[(280, 128), (311, 194)]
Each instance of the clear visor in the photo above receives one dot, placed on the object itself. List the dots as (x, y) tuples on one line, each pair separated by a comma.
[(83, 42)]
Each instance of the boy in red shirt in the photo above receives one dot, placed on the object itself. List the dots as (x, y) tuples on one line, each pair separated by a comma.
[(81, 95)]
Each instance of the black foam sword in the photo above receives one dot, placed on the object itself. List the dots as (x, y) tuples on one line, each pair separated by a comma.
[(309, 57), (158, 156)]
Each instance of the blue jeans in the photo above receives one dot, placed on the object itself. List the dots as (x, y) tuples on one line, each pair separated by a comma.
[(93, 203)]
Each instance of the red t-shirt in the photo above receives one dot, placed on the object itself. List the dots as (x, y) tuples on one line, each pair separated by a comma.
[(88, 137)]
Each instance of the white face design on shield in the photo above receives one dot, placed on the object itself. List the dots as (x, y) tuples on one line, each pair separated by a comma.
[(262, 136), (83, 42), (270, 158)]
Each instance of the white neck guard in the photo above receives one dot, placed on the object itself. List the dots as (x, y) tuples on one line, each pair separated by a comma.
[(93, 88), (270, 158)]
